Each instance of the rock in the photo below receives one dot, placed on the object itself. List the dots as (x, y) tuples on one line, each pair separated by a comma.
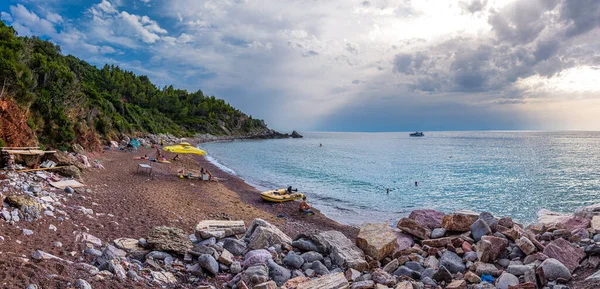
[(235, 246), (438, 233), (319, 268), (458, 222), (163, 277), (304, 245), (367, 284), (472, 277), (376, 240), (82, 284), (452, 262), (490, 220), (219, 229), (489, 248), (88, 238), (195, 270), (588, 212), (487, 268), (21, 202), (92, 252), (266, 285), (117, 269), (209, 263), (57, 244), (279, 274), (236, 267), (256, 275), (525, 245), (255, 257), (41, 255), (479, 229), (52, 228), (293, 260), (519, 270), (404, 285), (391, 266), (169, 239), (415, 266), (312, 256), (576, 223), (262, 234), (440, 242), (226, 257), (593, 249), (457, 284), (403, 240), (442, 275), (382, 277), (27, 232), (594, 277), (158, 255), (595, 224), (413, 228), (427, 218), (127, 244), (331, 281), (553, 269), (564, 252), (505, 280), (341, 250), (69, 171), (405, 271), (431, 262)]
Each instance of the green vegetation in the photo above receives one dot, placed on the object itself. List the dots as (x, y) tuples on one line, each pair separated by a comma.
[(69, 100)]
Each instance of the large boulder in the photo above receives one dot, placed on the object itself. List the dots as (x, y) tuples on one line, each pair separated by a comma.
[(525, 245), (564, 252), (588, 212), (219, 229), (22, 202), (264, 235), (490, 247), (255, 275), (427, 218), (69, 171), (341, 250), (549, 218), (479, 229), (376, 240), (553, 269), (278, 273), (256, 257), (458, 222), (403, 240), (169, 239), (595, 224), (411, 227)]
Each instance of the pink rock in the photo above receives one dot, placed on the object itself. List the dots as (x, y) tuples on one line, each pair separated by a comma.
[(403, 240), (576, 223), (411, 227), (490, 247), (563, 251), (581, 233), (428, 218), (458, 222)]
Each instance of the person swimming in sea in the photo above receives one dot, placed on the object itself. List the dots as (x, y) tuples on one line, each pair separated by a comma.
[(387, 191), (320, 145), (416, 184)]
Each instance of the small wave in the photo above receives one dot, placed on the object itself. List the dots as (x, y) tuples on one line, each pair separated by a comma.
[(220, 166)]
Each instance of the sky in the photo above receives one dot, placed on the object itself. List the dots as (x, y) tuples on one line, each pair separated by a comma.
[(350, 65)]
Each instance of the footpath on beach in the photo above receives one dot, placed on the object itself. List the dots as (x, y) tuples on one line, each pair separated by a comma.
[(427, 249)]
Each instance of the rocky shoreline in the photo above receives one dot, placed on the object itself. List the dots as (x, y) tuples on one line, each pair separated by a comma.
[(427, 249)]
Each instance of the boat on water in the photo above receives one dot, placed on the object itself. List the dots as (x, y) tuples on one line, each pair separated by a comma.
[(280, 196), (417, 134)]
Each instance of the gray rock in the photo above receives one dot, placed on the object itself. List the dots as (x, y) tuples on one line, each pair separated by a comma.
[(234, 246), (490, 220), (381, 277), (195, 270), (117, 269), (202, 249), (405, 271), (82, 284), (158, 255), (312, 256), (14, 214), (278, 273), (6, 214), (132, 275), (32, 286), (429, 272), (342, 251), (519, 270), (57, 244), (363, 277), (470, 256), (438, 233), (554, 269), (209, 241), (319, 268), (428, 281), (262, 234), (596, 238), (93, 252), (594, 277), (255, 257), (415, 266), (27, 232), (293, 260), (391, 266), (236, 267), (479, 229), (304, 245), (209, 263), (297, 273), (310, 272), (256, 275), (505, 280), (452, 262)]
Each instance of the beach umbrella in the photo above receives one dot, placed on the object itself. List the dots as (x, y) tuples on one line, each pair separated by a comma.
[(184, 148)]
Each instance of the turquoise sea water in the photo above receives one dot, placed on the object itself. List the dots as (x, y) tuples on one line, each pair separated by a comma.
[(506, 173)]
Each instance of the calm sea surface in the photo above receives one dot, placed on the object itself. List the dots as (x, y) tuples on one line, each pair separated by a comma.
[(506, 173)]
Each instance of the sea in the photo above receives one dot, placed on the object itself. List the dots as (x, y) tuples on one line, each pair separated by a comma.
[(507, 173)]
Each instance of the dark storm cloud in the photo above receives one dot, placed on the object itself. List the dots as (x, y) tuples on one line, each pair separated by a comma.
[(529, 37)]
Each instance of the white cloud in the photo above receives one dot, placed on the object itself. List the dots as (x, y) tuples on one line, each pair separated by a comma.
[(145, 28), (5, 16), (27, 22), (54, 18)]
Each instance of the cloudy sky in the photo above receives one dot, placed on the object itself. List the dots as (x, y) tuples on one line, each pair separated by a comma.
[(350, 65)]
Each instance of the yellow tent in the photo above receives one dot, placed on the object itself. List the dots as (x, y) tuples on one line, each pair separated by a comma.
[(184, 148)]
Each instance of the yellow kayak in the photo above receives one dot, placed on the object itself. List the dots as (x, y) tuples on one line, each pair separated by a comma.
[(280, 196)]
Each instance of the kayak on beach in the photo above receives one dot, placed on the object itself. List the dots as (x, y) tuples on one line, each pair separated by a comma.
[(280, 196)]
